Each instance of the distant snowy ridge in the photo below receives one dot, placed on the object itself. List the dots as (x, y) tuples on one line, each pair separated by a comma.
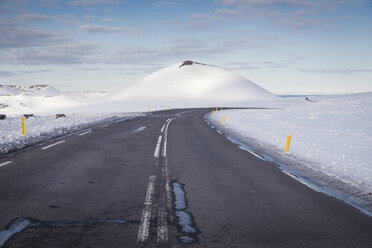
[(33, 90), (44, 99), (189, 80)]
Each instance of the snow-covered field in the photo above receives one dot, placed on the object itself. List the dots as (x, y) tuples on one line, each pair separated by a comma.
[(331, 140), (45, 102), (44, 128)]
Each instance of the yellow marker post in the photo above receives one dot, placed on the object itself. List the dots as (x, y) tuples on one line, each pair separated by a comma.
[(288, 142), (221, 108), (148, 108), (223, 120), (216, 109), (213, 112), (169, 107), (23, 125)]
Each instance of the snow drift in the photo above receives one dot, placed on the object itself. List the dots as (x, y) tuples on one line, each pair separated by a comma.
[(331, 141), (43, 100), (196, 84)]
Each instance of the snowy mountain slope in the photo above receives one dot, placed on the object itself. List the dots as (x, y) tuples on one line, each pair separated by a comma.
[(7, 91), (18, 100), (43, 90), (190, 80), (185, 84), (33, 90)]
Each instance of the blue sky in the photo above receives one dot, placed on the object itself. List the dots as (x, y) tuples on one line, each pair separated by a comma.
[(285, 46)]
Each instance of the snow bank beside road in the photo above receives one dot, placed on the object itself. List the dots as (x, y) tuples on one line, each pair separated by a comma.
[(331, 137), (43, 128)]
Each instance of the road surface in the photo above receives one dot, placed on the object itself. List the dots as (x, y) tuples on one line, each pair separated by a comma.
[(165, 180)]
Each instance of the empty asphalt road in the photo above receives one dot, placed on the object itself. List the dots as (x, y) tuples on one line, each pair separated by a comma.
[(164, 180)]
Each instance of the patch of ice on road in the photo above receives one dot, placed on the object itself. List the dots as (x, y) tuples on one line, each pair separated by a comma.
[(187, 239), (184, 218), (17, 226), (246, 148), (185, 221), (140, 129), (180, 197)]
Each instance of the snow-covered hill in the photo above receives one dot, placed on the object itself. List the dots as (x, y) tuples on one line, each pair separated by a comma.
[(195, 84), (33, 90), (41, 99), (185, 84)]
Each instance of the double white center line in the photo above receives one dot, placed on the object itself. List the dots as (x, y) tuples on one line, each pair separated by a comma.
[(157, 148), (143, 231), (166, 137), (163, 184)]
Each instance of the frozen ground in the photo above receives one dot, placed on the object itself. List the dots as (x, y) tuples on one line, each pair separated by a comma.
[(331, 141), (43, 128)]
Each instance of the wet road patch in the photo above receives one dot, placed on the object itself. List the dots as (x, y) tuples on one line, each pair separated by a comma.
[(54, 206), (185, 220), (140, 129)]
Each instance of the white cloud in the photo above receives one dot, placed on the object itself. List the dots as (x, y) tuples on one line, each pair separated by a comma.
[(16, 35), (92, 2), (343, 71), (34, 17), (105, 29), (303, 14), (7, 74), (271, 2), (167, 4), (88, 53), (200, 20), (224, 11)]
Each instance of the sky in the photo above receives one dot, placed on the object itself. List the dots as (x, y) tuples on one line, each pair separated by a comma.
[(285, 46)]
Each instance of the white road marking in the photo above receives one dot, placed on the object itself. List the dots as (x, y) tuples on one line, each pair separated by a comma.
[(81, 134), (5, 163), (166, 138), (105, 126), (299, 180), (143, 231), (167, 186), (255, 154), (57, 143), (218, 132), (212, 126), (162, 226), (162, 129), (157, 149)]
